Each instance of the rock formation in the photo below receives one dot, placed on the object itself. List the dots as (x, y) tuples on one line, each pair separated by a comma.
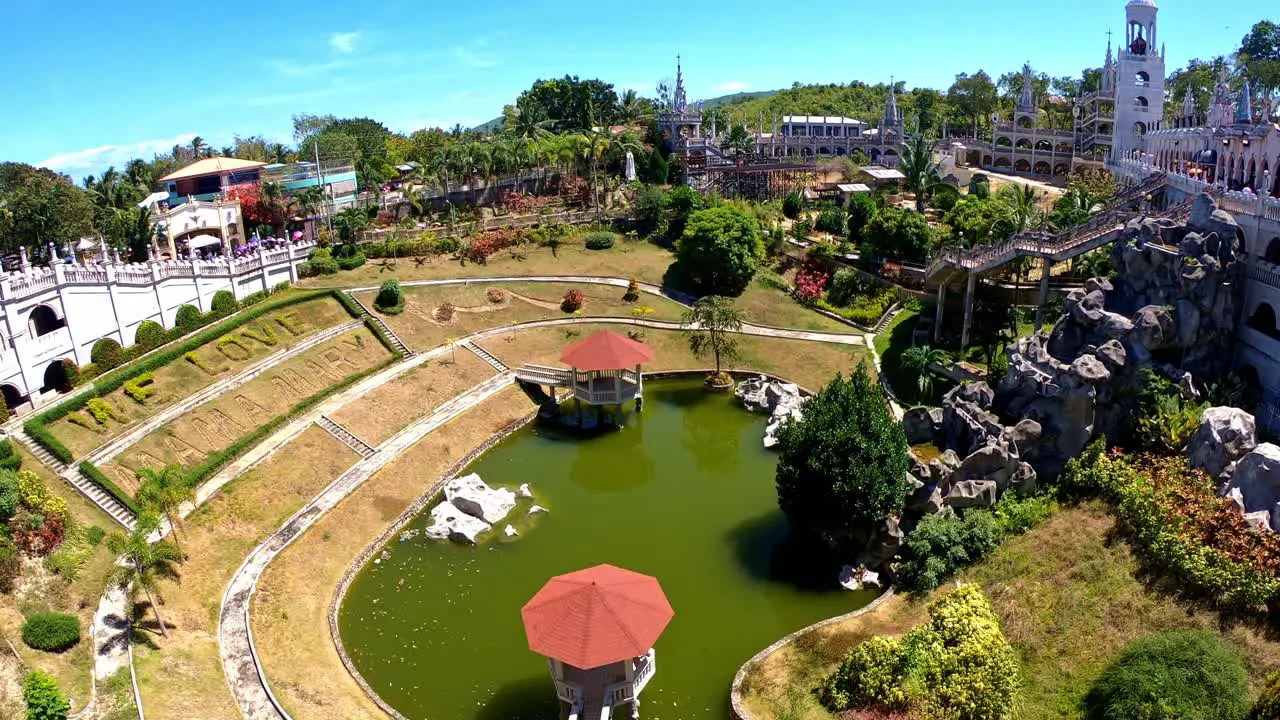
[(470, 508), (781, 400)]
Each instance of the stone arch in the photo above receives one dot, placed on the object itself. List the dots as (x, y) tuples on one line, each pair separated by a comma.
[(44, 320), (986, 161), (55, 377), (1263, 319), (1063, 147), (972, 157), (1041, 167), (1023, 144), (1140, 128), (1140, 101), (1003, 162), (840, 152), (1022, 166), (13, 397), (824, 151), (806, 152), (1142, 78), (1105, 129), (1044, 145), (1251, 178), (1060, 169), (874, 155), (1272, 254), (1024, 121), (1003, 141)]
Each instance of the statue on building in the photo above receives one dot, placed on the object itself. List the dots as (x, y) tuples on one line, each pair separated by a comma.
[(1139, 44)]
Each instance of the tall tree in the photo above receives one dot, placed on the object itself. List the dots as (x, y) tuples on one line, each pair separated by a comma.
[(165, 492), (573, 104), (921, 172), (973, 98), (140, 564), (42, 206), (1259, 57)]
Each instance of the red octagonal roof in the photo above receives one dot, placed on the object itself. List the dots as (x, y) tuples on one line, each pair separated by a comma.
[(606, 350), (596, 616)]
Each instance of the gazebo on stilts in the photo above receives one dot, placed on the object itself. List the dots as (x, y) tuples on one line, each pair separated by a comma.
[(597, 628), (604, 369)]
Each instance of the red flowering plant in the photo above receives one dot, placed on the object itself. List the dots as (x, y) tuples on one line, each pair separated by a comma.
[(572, 301), (811, 282), (35, 532), (484, 245)]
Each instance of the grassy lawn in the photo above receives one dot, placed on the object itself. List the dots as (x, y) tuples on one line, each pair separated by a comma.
[(221, 421), (641, 260), (178, 379), (420, 327), (382, 412), (39, 589), (890, 344), (1069, 596), (290, 613), (671, 352), (181, 676), (769, 306)]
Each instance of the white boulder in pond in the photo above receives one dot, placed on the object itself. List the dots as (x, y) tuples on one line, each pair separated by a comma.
[(472, 496), (450, 523), (858, 578), (535, 509), (510, 531), (525, 492)]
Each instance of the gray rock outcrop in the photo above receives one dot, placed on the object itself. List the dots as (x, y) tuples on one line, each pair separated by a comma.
[(1225, 435), (783, 402), (450, 523), (474, 497), (1255, 483)]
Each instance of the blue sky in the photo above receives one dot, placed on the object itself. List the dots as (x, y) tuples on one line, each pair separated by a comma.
[(91, 83)]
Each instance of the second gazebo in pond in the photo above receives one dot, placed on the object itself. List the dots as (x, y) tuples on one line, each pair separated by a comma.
[(604, 370)]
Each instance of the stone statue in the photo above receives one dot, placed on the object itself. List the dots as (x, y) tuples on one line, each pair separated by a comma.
[(630, 172)]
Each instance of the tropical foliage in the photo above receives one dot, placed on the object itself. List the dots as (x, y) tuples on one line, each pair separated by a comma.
[(720, 250), (710, 324), (1184, 674)]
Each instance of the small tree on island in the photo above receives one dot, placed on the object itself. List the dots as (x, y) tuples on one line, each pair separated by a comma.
[(165, 492), (710, 324), (842, 468)]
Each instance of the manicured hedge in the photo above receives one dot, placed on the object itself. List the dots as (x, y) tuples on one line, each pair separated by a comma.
[(51, 631), (107, 354), (224, 303), (187, 318), (9, 458), (149, 335), (99, 478), (390, 299), (1185, 674)]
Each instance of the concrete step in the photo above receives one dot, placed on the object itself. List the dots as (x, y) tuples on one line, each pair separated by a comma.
[(362, 448), (488, 357)]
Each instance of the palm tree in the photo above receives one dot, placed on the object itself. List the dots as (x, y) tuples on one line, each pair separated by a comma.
[(349, 222), (633, 109), (141, 564), (921, 172), (198, 147), (307, 201), (165, 492), (918, 360), (1023, 211), (530, 124)]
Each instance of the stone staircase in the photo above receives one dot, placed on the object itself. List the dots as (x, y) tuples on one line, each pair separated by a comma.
[(77, 480), (386, 330), (487, 356), (362, 448)]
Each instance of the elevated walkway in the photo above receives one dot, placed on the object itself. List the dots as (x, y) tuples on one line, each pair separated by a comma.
[(600, 387)]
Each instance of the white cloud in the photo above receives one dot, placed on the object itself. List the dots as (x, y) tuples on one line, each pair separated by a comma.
[(733, 86), (93, 159), (344, 42)]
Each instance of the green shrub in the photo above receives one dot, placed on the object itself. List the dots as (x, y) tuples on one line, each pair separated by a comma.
[(10, 499), (224, 303), (188, 318), (1181, 674), (390, 299), (149, 335), (99, 478), (95, 535), (791, 205), (958, 665), (73, 373), (1267, 706), (599, 241), (42, 697), (831, 220), (9, 457), (51, 631), (321, 262), (254, 298), (10, 564)]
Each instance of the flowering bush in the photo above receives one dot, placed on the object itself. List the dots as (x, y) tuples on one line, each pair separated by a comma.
[(1179, 524), (811, 282), (572, 301), (484, 245), (633, 291), (496, 295), (34, 532), (958, 665)]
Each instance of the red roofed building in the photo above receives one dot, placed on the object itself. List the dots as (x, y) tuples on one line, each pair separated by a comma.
[(604, 369), (597, 628)]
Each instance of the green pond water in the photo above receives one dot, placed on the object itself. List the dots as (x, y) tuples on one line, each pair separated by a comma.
[(684, 492)]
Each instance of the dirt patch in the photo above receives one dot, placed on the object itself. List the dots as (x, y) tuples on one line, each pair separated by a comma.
[(184, 678)]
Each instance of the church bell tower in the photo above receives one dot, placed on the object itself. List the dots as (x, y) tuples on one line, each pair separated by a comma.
[(1139, 80)]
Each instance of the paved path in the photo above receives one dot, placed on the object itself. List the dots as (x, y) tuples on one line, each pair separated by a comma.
[(235, 635)]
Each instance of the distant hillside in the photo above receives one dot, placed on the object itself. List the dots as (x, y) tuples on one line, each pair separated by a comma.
[(865, 102), (735, 99)]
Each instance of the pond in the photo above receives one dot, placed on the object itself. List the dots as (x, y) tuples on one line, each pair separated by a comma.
[(684, 492)]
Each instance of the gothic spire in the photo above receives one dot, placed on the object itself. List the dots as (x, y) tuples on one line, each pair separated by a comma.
[(1110, 59), (1027, 102), (679, 101), (891, 108), (1188, 104)]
